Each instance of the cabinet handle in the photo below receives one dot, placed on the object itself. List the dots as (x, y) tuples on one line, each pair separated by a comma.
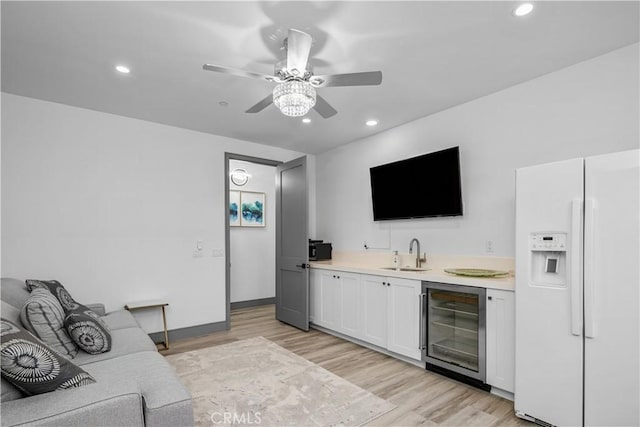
[(490, 298), (384, 283)]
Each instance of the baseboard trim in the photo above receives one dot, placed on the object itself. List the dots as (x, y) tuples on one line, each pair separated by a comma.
[(252, 303), (188, 332)]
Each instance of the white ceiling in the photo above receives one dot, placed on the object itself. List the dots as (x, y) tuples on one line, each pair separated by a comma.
[(433, 55)]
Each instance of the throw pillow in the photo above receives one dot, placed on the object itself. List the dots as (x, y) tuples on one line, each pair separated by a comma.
[(88, 331), (64, 297), (32, 366), (67, 302), (43, 315)]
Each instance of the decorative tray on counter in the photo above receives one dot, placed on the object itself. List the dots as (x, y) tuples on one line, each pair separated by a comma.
[(476, 272)]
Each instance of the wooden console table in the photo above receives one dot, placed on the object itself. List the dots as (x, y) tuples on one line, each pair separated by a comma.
[(138, 305)]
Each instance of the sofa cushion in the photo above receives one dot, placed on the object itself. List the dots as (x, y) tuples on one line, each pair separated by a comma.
[(123, 342), (9, 391), (13, 292), (166, 400), (11, 313), (32, 366), (120, 319), (87, 331), (43, 315)]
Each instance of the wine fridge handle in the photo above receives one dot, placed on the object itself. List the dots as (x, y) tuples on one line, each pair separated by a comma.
[(422, 321)]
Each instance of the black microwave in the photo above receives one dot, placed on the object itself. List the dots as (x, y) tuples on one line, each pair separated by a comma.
[(319, 250)]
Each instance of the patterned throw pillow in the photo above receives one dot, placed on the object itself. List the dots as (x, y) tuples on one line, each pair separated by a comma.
[(32, 366), (83, 325), (67, 302), (88, 331), (43, 315)]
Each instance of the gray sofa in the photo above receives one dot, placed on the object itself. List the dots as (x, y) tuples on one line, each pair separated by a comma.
[(135, 385)]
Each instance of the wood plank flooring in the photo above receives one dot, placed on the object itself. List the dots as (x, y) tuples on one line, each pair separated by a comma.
[(423, 398)]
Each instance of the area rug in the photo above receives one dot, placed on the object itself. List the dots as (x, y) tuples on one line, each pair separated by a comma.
[(257, 382)]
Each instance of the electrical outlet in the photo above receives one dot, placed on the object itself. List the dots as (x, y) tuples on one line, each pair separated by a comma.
[(488, 246), (217, 253)]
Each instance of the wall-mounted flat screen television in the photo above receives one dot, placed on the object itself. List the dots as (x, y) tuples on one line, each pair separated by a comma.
[(419, 187)]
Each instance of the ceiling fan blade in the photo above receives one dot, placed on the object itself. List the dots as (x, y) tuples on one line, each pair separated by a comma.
[(298, 48), (237, 72), (323, 108), (368, 78), (261, 105)]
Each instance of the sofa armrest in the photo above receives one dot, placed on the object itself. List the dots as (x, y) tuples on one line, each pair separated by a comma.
[(99, 404), (97, 308)]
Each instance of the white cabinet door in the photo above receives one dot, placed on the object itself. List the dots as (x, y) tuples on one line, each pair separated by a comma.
[(373, 310), (349, 304), (330, 300), (403, 316), (314, 295), (501, 336)]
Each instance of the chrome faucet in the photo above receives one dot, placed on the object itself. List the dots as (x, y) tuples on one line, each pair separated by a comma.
[(419, 259)]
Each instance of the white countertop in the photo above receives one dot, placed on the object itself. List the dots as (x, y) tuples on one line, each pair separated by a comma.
[(435, 274)]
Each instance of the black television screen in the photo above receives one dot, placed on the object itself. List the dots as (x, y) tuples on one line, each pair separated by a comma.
[(419, 187)]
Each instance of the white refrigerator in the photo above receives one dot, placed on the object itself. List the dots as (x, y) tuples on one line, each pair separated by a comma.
[(577, 299)]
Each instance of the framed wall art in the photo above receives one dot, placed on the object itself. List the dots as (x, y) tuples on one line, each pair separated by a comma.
[(252, 209), (234, 208)]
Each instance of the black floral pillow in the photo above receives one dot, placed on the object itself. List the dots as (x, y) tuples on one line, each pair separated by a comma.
[(32, 366), (87, 330)]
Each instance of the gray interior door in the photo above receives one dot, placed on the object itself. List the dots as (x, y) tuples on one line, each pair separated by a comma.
[(292, 247)]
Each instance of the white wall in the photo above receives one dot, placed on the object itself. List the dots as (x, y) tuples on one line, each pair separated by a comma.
[(253, 255), (112, 207), (589, 108)]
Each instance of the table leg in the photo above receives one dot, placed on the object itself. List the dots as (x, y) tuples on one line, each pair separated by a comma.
[(166, 333)]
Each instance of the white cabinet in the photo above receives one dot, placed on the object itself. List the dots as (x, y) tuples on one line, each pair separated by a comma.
[(335, 301), (329, 293), (373, 309), (378, 310), (500, 330), (403, 316), (350, 318), (314, 295)]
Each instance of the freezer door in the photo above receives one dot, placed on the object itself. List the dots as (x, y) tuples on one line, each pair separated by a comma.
[(548, 318), (611, 296)]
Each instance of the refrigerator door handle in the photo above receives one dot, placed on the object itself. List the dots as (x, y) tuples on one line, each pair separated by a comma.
[(576, 231), (589, 259)]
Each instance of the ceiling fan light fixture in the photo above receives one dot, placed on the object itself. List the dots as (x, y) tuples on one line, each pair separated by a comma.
[(294, 98)]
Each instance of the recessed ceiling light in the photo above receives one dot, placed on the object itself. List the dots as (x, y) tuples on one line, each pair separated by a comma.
[(371, 122), (523, 9), (306, 120), (122, 69), (223, 103)]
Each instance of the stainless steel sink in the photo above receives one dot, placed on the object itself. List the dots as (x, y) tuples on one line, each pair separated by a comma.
[(414, 269)]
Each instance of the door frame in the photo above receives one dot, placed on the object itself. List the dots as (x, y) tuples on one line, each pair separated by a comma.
[(227, 229)]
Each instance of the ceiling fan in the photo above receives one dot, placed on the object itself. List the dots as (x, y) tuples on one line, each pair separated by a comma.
[(295, 93)]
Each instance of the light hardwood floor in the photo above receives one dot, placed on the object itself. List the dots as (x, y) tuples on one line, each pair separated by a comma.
[(422, 397)]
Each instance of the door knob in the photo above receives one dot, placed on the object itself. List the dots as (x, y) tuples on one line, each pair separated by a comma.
[(303, 265)]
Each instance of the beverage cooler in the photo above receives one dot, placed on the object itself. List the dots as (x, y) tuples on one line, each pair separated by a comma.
[(453, 329)]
